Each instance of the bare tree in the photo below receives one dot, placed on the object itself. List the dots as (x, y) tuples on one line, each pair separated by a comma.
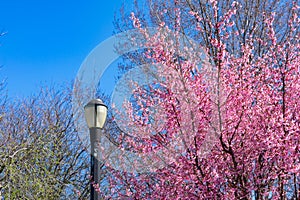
[(41, 154)]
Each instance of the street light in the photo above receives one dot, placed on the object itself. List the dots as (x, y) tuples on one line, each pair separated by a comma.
[(95, 114)]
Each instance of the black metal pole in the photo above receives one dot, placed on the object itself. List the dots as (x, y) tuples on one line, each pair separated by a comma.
[(95, 134)]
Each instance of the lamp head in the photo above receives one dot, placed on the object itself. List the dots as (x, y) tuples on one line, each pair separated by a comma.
[(95, 113)]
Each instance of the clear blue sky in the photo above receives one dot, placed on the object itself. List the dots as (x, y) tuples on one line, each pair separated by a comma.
[(47, 40)]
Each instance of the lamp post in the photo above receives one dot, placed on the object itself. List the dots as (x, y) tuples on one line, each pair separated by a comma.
[(95, 114)]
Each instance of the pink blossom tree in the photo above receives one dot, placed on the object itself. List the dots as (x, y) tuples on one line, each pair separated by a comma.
[(229, 126)]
